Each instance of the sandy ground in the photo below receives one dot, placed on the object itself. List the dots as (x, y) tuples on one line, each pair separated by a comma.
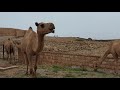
[(45, 71)]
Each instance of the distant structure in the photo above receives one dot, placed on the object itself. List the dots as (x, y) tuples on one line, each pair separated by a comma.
[(90, 39)]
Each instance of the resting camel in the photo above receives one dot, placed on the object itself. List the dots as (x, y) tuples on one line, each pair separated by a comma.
[(32, 44), (9, 47), (114, 49)]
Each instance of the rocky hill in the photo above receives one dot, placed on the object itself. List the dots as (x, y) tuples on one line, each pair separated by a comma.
[(72, 45), (76, 45)]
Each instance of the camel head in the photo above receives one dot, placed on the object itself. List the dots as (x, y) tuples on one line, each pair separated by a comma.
[(45, 28)]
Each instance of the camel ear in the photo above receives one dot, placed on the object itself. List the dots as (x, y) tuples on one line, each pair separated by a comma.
[(36, 23)]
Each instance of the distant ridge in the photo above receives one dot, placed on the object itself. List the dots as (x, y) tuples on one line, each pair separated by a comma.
[(12, 32)]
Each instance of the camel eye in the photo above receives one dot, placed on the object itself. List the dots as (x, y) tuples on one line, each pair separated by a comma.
[(42, 25)]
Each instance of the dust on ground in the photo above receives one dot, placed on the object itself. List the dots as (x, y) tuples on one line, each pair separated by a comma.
[(47, 71)]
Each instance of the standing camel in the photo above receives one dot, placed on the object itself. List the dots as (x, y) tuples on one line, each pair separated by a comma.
[(32, 44), (10, 49), (114, 49), (18, 45)]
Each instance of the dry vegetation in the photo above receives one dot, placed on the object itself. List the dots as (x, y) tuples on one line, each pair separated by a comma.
[(54, 72)]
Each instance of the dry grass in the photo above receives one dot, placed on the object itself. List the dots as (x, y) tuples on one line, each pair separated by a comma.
[(45, 71), (59, 72)]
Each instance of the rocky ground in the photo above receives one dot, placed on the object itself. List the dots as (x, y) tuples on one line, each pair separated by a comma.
[(76, 46), (44, 71), (72, 45)]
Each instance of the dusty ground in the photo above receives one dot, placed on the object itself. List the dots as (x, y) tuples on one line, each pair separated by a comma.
[(67, 45), (45, 71)]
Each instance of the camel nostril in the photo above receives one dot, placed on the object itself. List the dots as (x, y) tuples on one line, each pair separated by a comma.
[(53, 31)]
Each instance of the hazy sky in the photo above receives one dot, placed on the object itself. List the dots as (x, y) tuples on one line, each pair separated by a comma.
[(97, 25)]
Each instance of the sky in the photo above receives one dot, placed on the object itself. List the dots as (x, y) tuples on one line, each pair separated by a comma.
[(95, 25)]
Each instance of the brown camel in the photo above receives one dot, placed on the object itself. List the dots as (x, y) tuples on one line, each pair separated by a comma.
[(32, 44), (10, 49), (114, 49)]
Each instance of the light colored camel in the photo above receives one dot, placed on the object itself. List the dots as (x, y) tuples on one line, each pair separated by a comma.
[(9, 48), (18, 45), (114, 49), (32, 44)]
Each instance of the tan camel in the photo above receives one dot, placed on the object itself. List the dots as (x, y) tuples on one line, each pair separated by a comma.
[(18, 45), (114, 49), (32, 44), (10, 49)]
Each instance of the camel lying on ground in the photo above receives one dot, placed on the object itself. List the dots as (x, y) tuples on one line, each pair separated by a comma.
[(32, 44), (9, 48), (114, 49)]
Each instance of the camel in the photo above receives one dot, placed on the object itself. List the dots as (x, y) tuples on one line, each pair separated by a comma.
[(32, 44), (9, 47), (18, 45), (113, 49)]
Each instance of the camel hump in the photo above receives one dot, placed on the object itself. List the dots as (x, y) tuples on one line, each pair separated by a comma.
[(30, 27)]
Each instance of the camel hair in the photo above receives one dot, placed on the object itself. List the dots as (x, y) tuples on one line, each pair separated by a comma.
[(32, 44), (113, 49), (9, 48)]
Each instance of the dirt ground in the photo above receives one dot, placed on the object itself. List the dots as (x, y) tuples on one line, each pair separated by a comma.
[(45, 71), (68, 45)]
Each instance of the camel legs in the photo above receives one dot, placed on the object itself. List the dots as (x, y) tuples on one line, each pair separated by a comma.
[(14, 57), (10, 58), (35, 66), (31, 64), (116, 63), (26, 59), (7, 56), (7, 53), (102, 59)]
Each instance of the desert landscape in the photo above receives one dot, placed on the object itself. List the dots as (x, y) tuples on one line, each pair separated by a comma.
[(83, 52), (59, 45)]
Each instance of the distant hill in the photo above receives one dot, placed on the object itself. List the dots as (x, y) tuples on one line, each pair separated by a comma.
[(12, 32)]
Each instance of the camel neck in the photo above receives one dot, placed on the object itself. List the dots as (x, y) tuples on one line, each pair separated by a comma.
[(40, 38), (40, 42)]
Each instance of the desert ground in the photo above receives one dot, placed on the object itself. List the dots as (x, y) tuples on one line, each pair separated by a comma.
[(74, 45), (53, 72)]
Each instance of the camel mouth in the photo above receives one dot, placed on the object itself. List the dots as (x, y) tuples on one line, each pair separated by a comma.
[(53, 31)]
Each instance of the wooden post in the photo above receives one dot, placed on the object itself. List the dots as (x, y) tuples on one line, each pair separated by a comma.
[(3, 51)]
